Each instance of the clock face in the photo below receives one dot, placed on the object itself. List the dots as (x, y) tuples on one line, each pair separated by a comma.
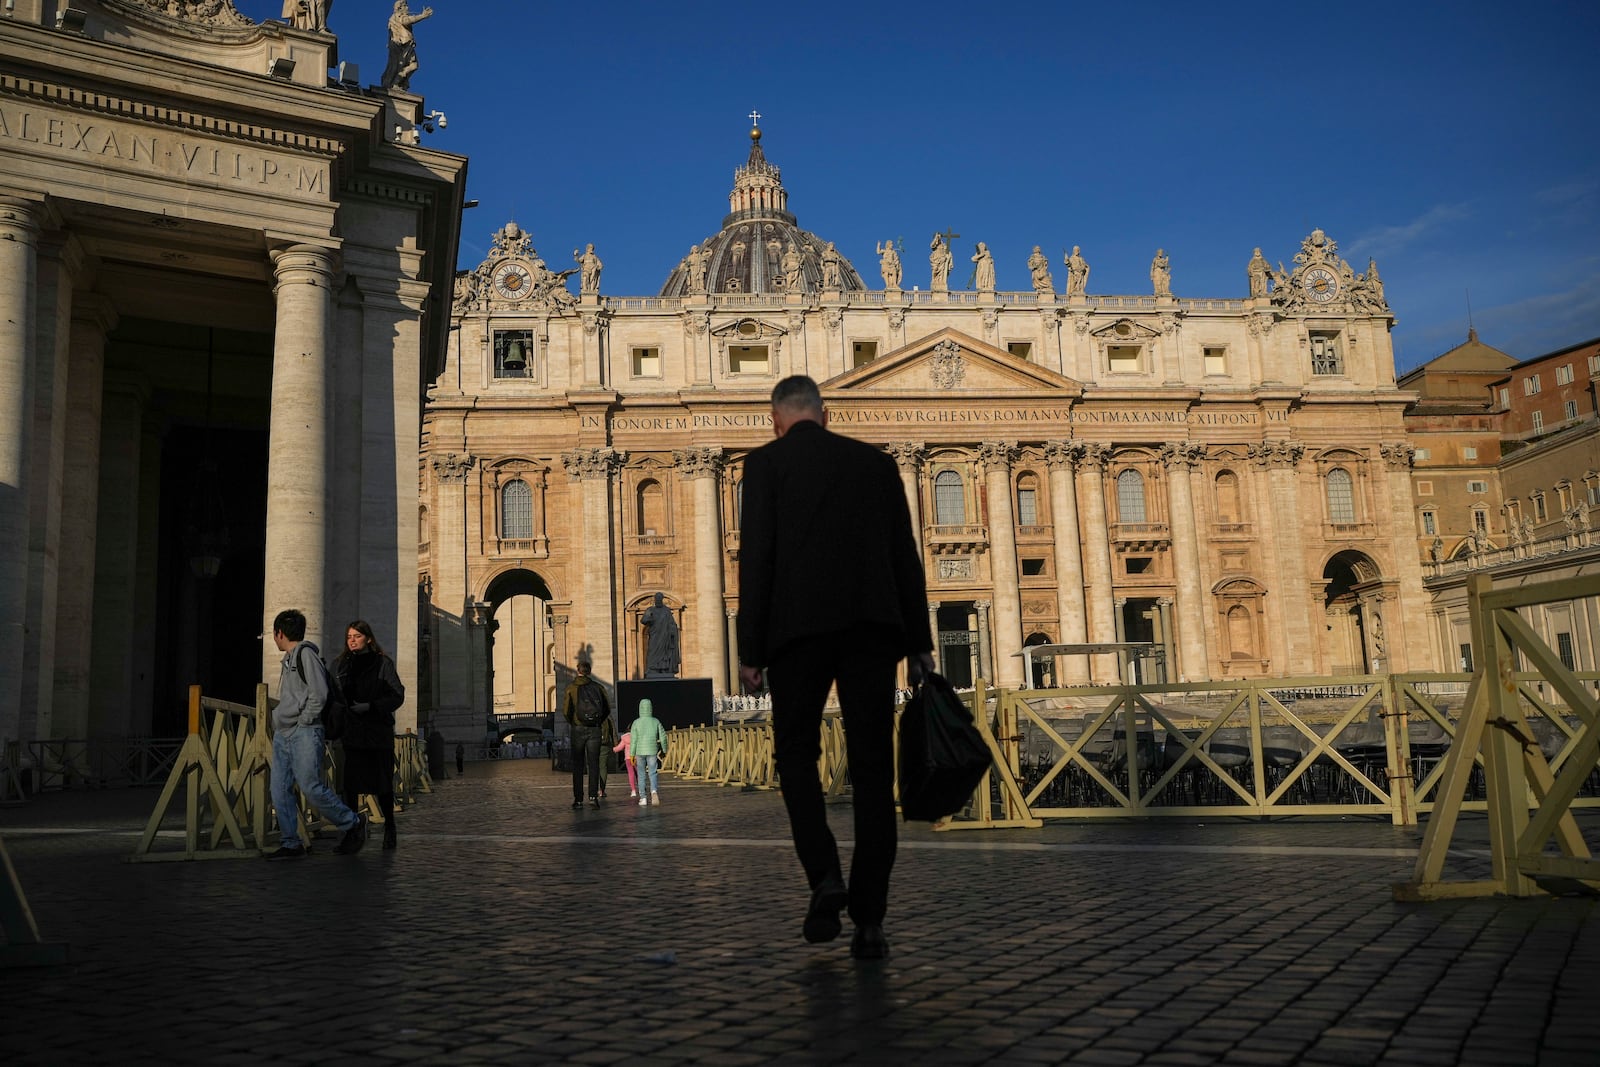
[(513, 281), (1321, 284)]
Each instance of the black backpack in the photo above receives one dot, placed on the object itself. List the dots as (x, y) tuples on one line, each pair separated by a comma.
[(591, 707), (335, 710)]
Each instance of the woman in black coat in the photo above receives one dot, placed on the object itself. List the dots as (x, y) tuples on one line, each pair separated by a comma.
[(373, 691)]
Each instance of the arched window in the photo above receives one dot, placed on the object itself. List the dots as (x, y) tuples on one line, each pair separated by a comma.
[(516, 510), (1241, 638), (949, 499), (1130, 496), (1027, 500), (651, 510), (1341, 496), (1228, 508)]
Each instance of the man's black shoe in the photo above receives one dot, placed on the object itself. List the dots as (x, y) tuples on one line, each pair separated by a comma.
[(353, 838), (822, 917), (577, 802), (594, 802), (287, 852), (869, 943)]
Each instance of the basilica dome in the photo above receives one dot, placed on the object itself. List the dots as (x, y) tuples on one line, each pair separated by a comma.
[(760, 248)]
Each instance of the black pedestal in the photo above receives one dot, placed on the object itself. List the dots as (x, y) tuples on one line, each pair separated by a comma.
[(676, 702)]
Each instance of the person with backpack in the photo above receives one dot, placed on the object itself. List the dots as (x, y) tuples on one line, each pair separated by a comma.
[(298, 741), (585, 708), (648, 740), (373, 692)]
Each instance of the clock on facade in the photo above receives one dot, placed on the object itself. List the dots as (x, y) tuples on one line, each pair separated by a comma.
[(1322, 285), (513, 281)]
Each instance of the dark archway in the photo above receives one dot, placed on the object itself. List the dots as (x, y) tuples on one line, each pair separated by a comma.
[(521, 671), (1349, 633)]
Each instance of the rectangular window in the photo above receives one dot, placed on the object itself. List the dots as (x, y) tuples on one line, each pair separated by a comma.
[(1216, 361), (647, 362), (1430, 523), (1594, 366), (1020, 349), (1537, 419), (1325, 355), (1466, 657), (1564, 650), (1505, 397), (1027, 508), (1564, 374), (1032, 568), (1424, 488), (748, 359), (1539, 512), (1123, 359), (1477, 488), (1422, 453), (1480, 520), (863, 352), (1594, 494), (1570, 408), (513, 354), (1138, 564), (1469, 452), (1530, 385)]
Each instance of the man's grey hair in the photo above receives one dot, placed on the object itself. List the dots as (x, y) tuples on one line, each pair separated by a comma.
[(797, 393)]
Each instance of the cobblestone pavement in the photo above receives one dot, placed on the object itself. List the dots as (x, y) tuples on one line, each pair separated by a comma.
[(508, 928)]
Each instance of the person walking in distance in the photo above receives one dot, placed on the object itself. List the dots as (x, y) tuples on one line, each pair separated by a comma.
[(298, 741), (648, 740), (831, 592), (585, 708), (373, 690)]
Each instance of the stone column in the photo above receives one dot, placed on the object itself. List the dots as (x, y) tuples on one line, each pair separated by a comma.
[(1408, 640), (908, 456), (731, 667), (703, 468), (1164, 613), (1191, 666), (449, 548), (1103, 624), (1061, 457), (60, 259), (480, 624), (593, 469), (297, 477), (985, 667), (20, 222), (116, 558), (996, 457), (933, 628), (80, 514), (1294, 649)]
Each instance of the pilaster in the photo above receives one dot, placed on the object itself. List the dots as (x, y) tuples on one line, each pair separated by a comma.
[(1103, 623), (1180, 458), (1061, 458)]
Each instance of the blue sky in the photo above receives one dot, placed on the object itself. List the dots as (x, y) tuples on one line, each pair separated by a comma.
[(1457, 144)]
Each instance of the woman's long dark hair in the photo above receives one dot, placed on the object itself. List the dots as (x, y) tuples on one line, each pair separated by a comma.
[(364, 628)]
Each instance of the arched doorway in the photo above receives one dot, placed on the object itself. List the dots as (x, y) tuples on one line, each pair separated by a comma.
[(1043, 669), (521, 648), (1355, 640)]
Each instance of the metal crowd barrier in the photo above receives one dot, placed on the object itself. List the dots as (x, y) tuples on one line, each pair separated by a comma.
[(1370, 745)]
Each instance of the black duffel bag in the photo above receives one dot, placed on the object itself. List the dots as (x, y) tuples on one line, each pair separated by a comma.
[(942, 754)]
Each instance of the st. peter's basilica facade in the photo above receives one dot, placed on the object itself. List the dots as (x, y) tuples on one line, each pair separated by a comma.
[(1225, 477)]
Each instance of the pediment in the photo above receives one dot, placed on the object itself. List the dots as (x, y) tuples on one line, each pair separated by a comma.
[(1125, 332), (745, 331), (951, 361)]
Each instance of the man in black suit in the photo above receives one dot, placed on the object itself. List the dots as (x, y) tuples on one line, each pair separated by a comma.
[(831, 591)]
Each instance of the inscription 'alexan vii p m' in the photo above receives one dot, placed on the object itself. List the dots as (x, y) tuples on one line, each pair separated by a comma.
[(135, 148)]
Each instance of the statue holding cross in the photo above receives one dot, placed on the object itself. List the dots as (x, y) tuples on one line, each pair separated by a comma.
[(940, 259)]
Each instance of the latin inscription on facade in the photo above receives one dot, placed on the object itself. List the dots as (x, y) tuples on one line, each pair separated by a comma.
[(138, 149), (844, 416)]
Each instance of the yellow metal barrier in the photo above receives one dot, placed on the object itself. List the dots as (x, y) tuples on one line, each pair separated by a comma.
[(1371, 745), (225, 765), (1496, 734)]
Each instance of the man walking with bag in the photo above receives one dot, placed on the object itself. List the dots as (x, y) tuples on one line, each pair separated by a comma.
[(585, 709), (831, 591)]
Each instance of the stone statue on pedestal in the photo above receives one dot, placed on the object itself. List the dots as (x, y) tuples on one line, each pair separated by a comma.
[(1039, 268), (940, 260), (402, 46), (889, 264), (1161, 274), (307, 14), (661, 641), (1258, 270), (983, 273), (1077, 273), (589, 264)]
